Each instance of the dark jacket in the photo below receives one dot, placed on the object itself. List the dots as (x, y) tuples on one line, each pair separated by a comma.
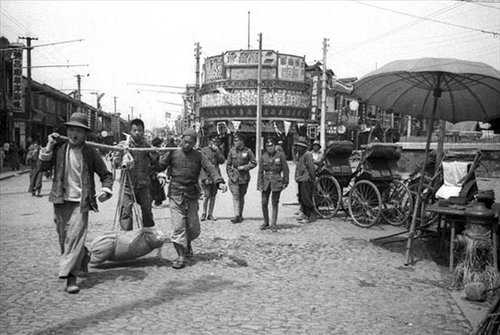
[(184, 170), (92, 163), (273, 172), (144, 164), (216, 158), (240, 157), (304, 171)]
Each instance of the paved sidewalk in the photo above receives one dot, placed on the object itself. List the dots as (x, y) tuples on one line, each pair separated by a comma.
[(10, 174)]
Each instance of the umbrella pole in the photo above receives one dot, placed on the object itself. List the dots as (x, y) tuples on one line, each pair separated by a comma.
[(411, 235)]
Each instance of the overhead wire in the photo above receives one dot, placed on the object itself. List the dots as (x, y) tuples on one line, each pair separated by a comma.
[(494, 33)]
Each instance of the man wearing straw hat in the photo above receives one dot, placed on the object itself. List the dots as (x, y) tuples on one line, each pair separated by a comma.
[(73, 193)]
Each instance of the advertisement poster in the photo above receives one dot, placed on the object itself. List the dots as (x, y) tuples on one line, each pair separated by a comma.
[(213, 69), (250, 58), (291, 68)]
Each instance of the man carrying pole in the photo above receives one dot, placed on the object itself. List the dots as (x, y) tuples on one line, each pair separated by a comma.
[(73, 193), (184, 167)]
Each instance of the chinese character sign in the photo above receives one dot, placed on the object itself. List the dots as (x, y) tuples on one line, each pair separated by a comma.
[(291, 68)]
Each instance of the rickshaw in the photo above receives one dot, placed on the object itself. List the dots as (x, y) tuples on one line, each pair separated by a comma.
[(373, 192)]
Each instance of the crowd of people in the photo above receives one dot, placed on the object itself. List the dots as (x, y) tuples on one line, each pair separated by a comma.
[(188, 171)]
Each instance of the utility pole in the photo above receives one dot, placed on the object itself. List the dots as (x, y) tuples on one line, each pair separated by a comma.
[(258, 129), (79, 85), (132, 112), (322, 138), (197, 54), (28, 97), (248, 31)]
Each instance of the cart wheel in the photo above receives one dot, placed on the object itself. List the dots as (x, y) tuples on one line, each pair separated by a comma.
[(365, 203), (397, 204), (327, 196)]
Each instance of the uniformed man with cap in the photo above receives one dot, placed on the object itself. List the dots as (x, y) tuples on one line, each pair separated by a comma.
[(304, 176), (215, 156), (240, 161), (184, 167), (272, 179)]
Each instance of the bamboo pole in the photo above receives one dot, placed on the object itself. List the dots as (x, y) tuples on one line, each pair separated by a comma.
[(120, 148)]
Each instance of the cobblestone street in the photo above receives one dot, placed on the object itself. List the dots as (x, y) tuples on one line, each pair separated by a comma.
[(320, 278)]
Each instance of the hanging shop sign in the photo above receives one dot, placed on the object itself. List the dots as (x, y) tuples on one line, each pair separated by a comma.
[(292, 68), (250, 58), (214, 68)]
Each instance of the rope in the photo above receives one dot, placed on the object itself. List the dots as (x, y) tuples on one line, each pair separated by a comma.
[(126, 178)]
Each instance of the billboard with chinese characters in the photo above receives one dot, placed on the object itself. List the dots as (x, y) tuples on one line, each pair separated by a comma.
[(250, 58), (214, 68), (292, 68), (248, 97)]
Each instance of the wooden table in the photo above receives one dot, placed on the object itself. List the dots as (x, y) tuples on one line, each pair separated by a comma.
[(454, 214)]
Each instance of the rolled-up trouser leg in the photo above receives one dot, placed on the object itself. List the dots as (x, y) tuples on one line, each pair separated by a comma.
[(185, 221), (265, 205), (72, 229), (144, 199), (275, 198)]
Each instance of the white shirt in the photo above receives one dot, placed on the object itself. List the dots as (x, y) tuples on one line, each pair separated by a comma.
[(73, 174)]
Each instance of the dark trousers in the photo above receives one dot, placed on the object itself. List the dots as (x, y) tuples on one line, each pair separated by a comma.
[(275, 198), (209, 194), (36, 176), (239, 191), (306, 190), (143, 197)]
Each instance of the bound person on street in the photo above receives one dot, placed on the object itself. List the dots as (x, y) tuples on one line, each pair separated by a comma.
[(73, 193), (139, 170), (304, 176), (240, 161), (184, 167), (210, 188), (272, 179)]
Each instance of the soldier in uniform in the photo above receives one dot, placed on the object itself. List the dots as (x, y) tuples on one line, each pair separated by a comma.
[(272, 179), (215, 156), (304, 176), (240, 161)]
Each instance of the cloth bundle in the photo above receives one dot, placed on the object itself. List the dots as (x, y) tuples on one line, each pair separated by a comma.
[(125, 245), (453, 173), (119, 245)]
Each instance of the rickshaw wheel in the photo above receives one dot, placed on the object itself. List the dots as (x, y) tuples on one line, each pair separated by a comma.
[(397, 203), (327, 196), (365, 203)]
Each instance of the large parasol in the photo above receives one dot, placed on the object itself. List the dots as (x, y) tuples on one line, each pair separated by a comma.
[(436, 89)]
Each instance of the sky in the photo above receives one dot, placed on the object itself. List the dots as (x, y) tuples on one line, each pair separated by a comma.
[(153, 41)]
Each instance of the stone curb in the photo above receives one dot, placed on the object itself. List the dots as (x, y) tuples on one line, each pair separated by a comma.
[(18, 173)]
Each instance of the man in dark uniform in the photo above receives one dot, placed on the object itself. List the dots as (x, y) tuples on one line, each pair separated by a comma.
[(184, 167), (272, 179), (215, 156), (140, 171), (240, 161), (304, 176)]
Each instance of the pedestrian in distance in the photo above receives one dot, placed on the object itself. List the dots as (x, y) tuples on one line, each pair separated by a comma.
[(215, 156), (184, 167), (272, 179), (139, 170), (316, 152), (240, 161), (73, 193), (36, 174), (304, 176)]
